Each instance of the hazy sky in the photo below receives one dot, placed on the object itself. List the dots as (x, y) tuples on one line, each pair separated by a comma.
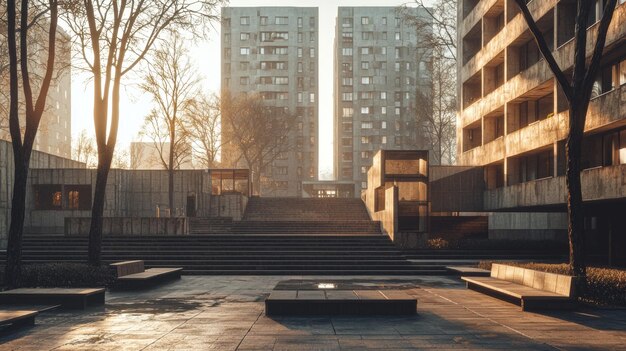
[(206, 56)]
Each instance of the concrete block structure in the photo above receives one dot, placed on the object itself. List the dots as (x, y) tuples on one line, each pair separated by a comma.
[(379, 68), (512, 121), (273, 51)]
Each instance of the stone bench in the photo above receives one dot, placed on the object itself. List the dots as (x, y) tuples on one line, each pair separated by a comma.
[(16, 319), (340, 302), (133, 275), (74, 298), (530, 289), (468, 271)]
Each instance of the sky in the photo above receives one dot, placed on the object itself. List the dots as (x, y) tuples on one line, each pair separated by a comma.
[(206, 57)]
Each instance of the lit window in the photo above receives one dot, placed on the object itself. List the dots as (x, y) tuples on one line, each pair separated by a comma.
[(244, 36), (366, 80), (244, 51), (365, 20)]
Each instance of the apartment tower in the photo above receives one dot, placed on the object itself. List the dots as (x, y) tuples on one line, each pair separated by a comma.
[(273, 51), (379, 67)]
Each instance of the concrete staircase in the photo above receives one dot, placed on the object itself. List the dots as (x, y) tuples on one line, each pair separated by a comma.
[(240, 254)]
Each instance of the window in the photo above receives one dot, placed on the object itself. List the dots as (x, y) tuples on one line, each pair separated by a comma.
[(397, 20), (346, 51), (384, 21), (365, 140), (346, 36), (365, 51), (299, 67), (300, 35), (227, 52), (244, 51), (396, 67), (244, 80), (312, 36), (383, 95), (312, 52), (621, 72), (346, 96), (365, 65), (365, 20), (281, 170), (346, 22), (243, 65), (398, 53), (273, 50), (299, 22), (227, 38), (274, 36), (300, 100), (51, 197), (366, 80), (312, 22), (48, 197), (281, 20), (78, 197), (383, 139), (263, 20), (312, 97), (383, 110), (299, 52), (346, 67), (281, 80), (346, 81), (384, 35), (398, 37), (348, 112), (397, 111), (383, 50), (365, 110), (363, 169), (244, 21), (367, 35), (363, 185), (367, 125), (365, 154), (244, 36), (366, 95)]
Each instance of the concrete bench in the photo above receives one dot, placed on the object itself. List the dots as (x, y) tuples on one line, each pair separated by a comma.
[(532, 290), (16, 319), (468, 271), (133, 275), (74, 298), (340, 302)]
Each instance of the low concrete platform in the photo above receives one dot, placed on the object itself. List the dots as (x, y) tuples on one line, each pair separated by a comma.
[(339, 302), (72, 298), (468, 271), (16, 319), (148, 278)]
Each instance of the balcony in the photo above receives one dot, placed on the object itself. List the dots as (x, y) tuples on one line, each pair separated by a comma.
[(602, 183)]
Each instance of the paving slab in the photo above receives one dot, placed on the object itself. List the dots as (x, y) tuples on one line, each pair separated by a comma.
[(227, 313)]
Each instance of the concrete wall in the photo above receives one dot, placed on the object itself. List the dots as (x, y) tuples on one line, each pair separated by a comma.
[(456, 189), (38, 160), (528, 226)]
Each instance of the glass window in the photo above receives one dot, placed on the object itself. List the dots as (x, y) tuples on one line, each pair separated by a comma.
[(244, 21), (299, 22), (244, 51), (365, 20)]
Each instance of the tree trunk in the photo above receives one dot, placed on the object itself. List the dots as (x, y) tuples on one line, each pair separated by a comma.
[(16, 229), (170, 170), (97, 209), (575, 227)]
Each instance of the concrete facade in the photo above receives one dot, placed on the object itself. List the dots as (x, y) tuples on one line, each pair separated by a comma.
[(273, 51), (379, 67), (37, 160), (512, 117)]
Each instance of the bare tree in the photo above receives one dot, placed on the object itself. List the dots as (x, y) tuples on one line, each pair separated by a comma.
[(577, 91), (84, 149), (256, 133), (23, 140), (113, 38), (202, 125), (137, 151), (436, 105), (171, 81), (120, 159)]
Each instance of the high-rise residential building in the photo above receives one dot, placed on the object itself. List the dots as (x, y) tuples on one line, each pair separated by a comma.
[(55, 129), (513, 118), (379, 68), (273, 52)]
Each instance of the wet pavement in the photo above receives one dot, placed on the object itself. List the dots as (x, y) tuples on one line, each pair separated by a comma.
[(226, 313)]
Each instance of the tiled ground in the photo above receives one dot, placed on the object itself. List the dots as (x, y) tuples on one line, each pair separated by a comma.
[(226, 313)]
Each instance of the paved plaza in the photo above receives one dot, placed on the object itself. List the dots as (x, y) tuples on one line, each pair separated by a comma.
[(226, 313)]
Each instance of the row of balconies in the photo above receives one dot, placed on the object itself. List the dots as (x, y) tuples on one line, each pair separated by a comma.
[(492, 138)]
